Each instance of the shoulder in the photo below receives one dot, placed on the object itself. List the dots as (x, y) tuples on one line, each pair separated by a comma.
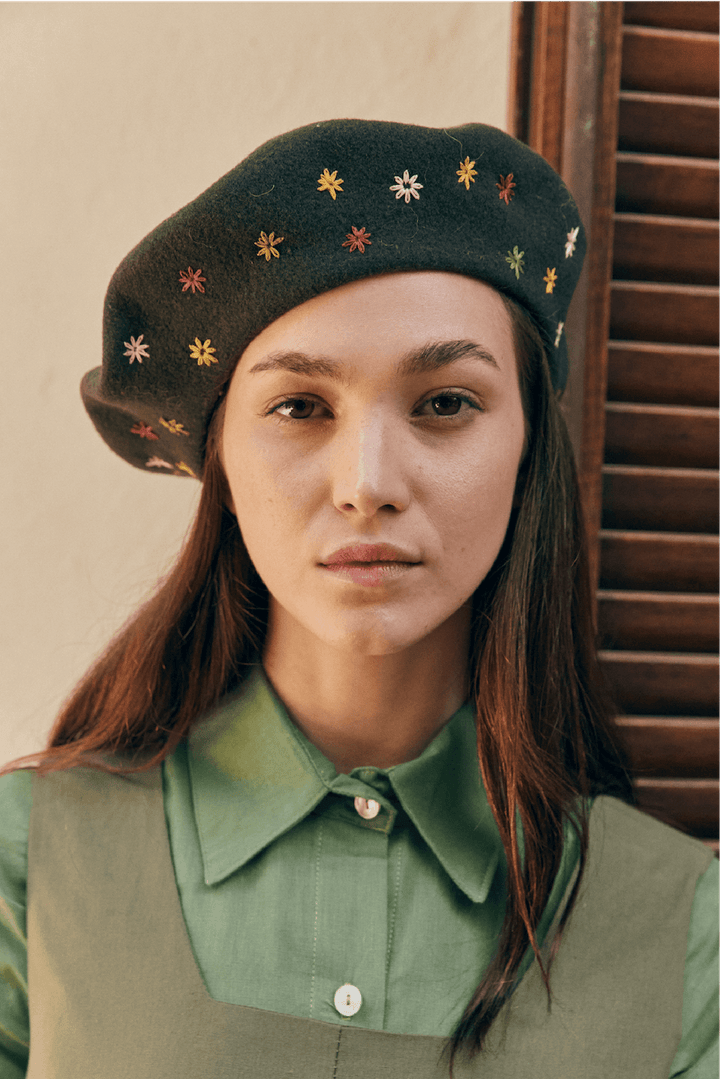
[(643, 852), (15, 807)]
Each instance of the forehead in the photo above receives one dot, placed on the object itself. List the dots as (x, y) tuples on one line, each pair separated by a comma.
[(391, 314)]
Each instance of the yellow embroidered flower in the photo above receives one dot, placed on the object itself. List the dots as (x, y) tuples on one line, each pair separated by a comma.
[(466, 172), (182, 467), (328, 182), (267, 245), (174, 427), (202, 352), (550, 279)]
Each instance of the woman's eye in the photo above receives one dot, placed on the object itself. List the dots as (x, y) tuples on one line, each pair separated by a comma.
[(443, 406)]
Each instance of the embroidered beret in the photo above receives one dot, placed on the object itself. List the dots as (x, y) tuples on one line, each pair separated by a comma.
[(308, 211)]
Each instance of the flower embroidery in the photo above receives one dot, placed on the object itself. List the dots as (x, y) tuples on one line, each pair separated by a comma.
[(466, 172), (550, 279), (136, 350), (571, 241), (329, 182), (506, 185), (515, 258), (192, 280), (558, 335), (357, 239), (157, 462), (143, 431), (173, 426), (267, 245), (202, 352), (182, 467), (406, 187)]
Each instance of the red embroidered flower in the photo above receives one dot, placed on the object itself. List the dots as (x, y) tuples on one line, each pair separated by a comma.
[(192, 279), (357, 239), (506, 185), (144, 432)]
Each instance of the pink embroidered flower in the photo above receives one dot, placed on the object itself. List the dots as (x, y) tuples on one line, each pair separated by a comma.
[(192, 280), (506, 185), (466, 173), (136, 350), (157, 462), (357, 239), (267, 245), (144, 432), (571, 241), (550, 279), (174, 427), (558, 334), (328, 182), (406, 187)]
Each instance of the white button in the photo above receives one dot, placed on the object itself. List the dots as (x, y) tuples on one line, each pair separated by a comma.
[(367, 808), (348, 1000)]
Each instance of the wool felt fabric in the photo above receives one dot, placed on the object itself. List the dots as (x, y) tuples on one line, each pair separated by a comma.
[(308, 211)]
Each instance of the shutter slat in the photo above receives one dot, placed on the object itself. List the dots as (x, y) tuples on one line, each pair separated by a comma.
[(652, 683), (676, 436), (662, 373), (676, 314), (649, 247), (669, 61), (674, 14), (661, 184), (671, 746), (689, 802), (659, 561), (668, 123), (657, 621), (659, 499)]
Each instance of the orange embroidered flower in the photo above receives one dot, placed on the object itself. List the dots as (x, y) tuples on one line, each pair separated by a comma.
[(357, 239), (550, 279), (506, 185), (143, 431), (192, 279), (328, 182), (202, 352), (267, 245), (173, 426), (466, 173)]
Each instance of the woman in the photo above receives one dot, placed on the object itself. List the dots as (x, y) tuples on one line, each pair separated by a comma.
[(395, 816)]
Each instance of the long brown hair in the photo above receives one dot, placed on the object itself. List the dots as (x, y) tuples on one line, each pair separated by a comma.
[(545, 738)]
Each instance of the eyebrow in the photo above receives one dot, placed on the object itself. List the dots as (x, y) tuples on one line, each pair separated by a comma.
[(428, 358)]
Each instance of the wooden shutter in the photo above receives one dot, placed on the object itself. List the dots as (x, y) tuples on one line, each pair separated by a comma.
[(644, 408)]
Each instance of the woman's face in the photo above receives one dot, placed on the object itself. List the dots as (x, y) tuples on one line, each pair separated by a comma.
[(386, 411)]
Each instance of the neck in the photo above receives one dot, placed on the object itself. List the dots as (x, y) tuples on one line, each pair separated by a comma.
[(376, 710)]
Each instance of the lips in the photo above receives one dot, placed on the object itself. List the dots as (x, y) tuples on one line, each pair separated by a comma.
[(369, 552)]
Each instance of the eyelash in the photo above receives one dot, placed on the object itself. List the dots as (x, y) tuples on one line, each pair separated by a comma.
[(436, 396)]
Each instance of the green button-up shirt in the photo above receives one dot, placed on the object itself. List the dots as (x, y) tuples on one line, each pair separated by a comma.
[(288, 892)]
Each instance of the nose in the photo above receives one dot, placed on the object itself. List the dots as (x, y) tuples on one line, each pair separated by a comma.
[(369, 467)]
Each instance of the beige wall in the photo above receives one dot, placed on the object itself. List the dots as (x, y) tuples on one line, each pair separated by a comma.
[(112, 116)]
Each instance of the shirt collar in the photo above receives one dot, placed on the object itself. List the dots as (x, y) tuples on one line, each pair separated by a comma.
[(254, 776)]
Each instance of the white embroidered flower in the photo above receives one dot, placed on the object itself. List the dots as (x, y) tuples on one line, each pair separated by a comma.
[(571, 241), (157, 462), (136, 350), (406, 187), (558, 335)]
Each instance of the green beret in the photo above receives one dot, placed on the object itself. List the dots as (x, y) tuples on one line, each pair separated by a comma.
[(308, 211)]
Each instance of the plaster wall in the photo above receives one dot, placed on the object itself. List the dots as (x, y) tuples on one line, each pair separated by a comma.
[(113, 116)]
